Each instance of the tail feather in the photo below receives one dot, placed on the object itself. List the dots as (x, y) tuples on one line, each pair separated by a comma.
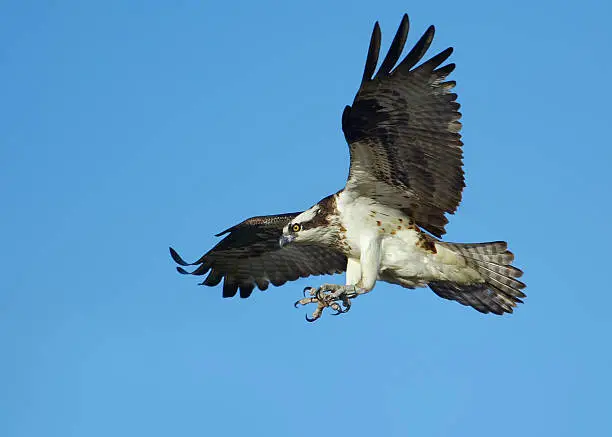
[(502, 279), (499, 292), (495, 252), (490, 248), (506, 270)]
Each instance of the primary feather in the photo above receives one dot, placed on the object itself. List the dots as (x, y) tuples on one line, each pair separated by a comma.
[(405, 176)]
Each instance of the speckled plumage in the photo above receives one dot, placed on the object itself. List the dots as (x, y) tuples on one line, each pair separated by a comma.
[(406, 174)]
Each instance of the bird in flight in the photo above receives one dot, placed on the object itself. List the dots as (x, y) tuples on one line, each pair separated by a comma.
[(386, 224)]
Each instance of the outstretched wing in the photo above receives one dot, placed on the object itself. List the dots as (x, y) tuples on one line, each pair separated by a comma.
[(250, 255), (403, 132)]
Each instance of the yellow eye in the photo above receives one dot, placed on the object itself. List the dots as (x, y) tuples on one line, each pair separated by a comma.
[(296, 227)]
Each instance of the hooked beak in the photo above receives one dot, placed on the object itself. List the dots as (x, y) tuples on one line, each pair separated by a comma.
[(286, 239)]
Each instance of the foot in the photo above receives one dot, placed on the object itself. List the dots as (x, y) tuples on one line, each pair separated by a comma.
[(330, 295)]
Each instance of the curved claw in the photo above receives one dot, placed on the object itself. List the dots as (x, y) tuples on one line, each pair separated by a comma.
[(337, 308), (296, 304), (305, 290), (308, 319), (340, 310)]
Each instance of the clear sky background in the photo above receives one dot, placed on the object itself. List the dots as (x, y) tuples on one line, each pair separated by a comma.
[(127, 127)]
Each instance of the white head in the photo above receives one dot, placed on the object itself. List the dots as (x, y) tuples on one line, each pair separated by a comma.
[(316, 225)]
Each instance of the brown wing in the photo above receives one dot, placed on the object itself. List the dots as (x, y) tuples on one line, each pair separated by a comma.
[(250, 256), (403, 132)]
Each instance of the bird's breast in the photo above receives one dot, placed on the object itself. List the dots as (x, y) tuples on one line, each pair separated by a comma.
[(364, 218)]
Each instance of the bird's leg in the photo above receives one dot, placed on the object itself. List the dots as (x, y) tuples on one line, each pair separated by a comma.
[(361, 276), (328, 295)]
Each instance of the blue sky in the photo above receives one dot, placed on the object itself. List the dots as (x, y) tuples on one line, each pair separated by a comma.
[(131, 126)]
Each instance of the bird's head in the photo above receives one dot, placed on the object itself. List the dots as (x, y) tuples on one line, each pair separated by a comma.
[(313, 226)]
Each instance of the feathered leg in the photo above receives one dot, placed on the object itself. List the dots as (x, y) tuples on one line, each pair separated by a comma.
[(361, 275)]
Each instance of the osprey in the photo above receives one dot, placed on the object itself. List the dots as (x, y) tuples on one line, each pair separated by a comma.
[(385, 225)]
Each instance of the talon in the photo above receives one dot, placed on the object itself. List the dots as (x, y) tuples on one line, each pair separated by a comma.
[(325, 297), (339, 311), (308, 319)]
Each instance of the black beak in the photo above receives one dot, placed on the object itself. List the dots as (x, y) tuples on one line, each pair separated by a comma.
[(286, 239)]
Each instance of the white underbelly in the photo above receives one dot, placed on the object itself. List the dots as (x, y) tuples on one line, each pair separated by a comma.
[(402, 257), (409, 264)]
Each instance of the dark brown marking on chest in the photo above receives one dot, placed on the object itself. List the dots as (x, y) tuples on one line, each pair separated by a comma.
[(427, 243), (343, 242)]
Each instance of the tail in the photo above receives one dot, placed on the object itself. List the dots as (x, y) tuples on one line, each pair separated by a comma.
[(499, 292)]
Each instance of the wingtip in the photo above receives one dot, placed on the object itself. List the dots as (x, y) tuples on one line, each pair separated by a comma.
[(177, 258), (429, 34), (373, 52), (396, 48), (182, 271), (228, 230)]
